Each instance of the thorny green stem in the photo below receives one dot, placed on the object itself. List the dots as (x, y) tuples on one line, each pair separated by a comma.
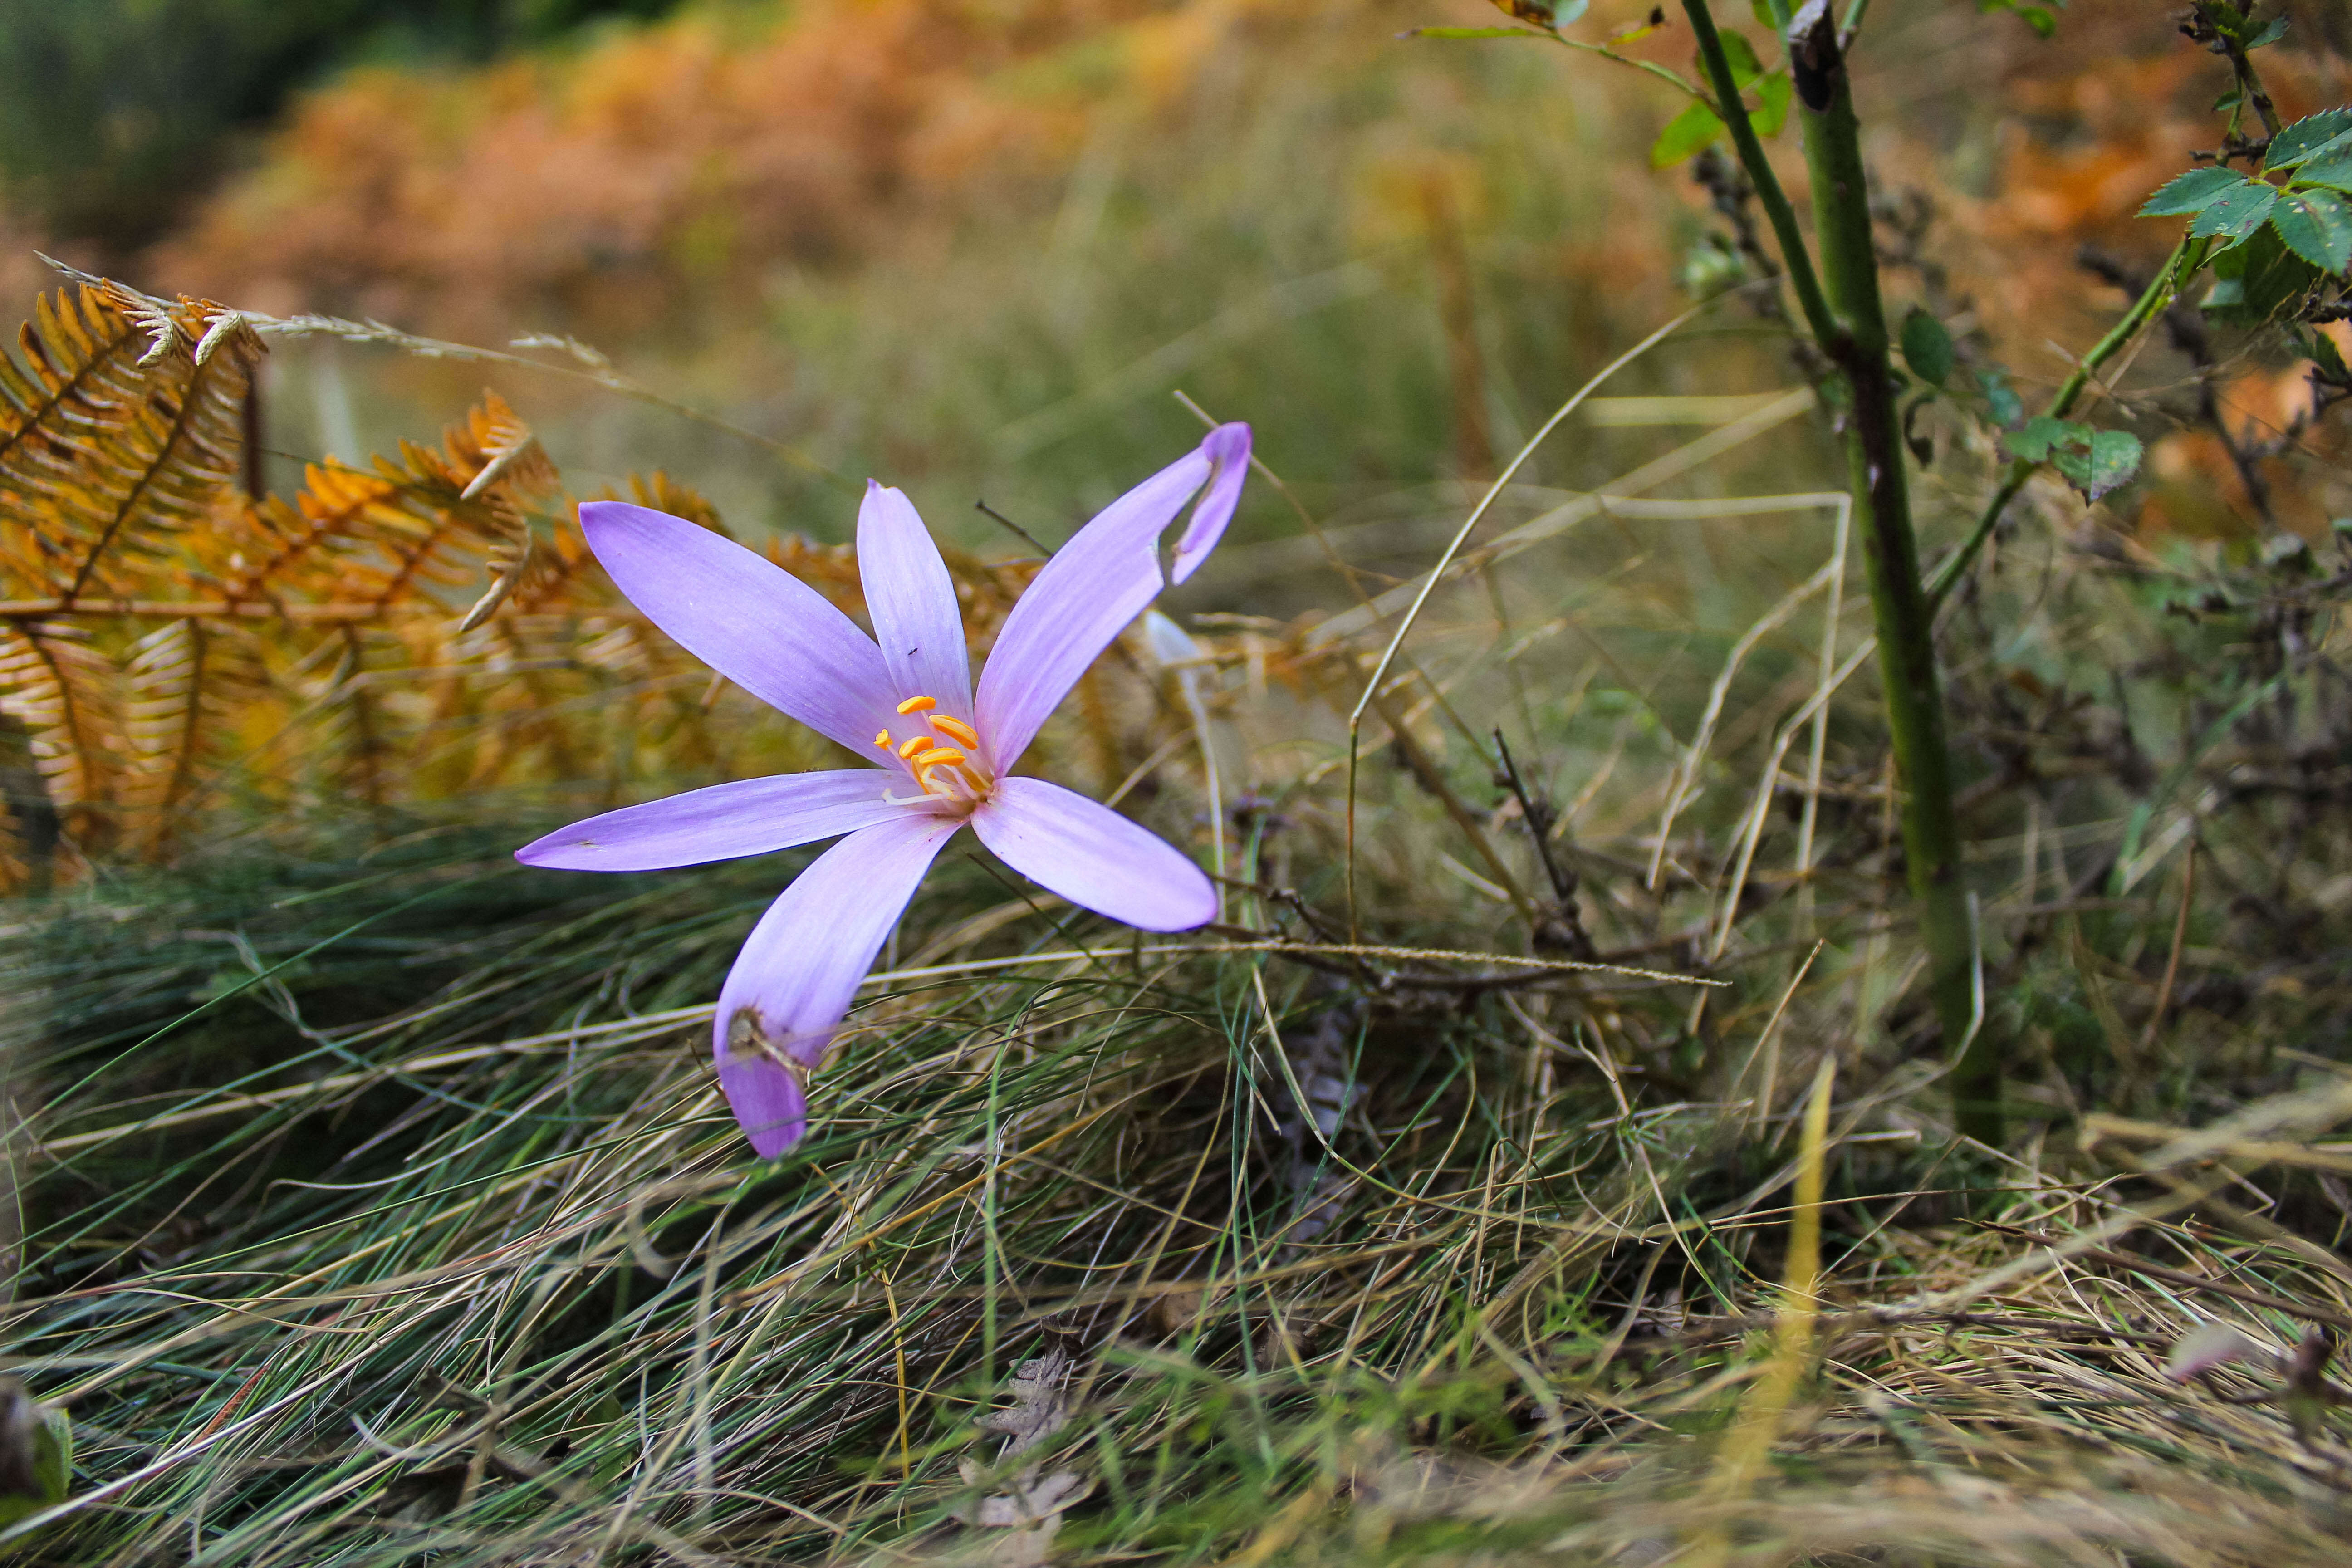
[(1849, 324), (2250, 84), (1794, 256), (2185, 259)]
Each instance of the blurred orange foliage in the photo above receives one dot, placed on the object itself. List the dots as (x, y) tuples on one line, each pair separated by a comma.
[(599, 190)]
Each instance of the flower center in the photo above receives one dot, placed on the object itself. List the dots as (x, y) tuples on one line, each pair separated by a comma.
[(944, 756)]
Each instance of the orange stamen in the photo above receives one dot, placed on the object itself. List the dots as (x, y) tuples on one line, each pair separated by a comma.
[(956, 729), (918, 704), (915, 744), (939, 757), (883, 740)]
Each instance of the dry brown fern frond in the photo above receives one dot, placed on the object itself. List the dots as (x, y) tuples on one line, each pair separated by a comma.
[(185, 685), (60, 687), (122, 427)]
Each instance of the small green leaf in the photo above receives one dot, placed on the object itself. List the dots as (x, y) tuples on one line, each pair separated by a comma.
[(2191, 192), (2034, 16), (1685, 134), (2113, 459), (1741, 55), (2007, 407), (2268, 36), (2307, 137), (2236, 211), (1926, 347), (2321, 350), (2254, 281), (1774, 94), (2040, 435), (1762, 11), (2317, 226), (2093, 461), (2333, 169)]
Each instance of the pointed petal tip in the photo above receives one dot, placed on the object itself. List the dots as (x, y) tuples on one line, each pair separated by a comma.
[(768, 1142), (1095, 858), (768, 1105), (1227, 448)]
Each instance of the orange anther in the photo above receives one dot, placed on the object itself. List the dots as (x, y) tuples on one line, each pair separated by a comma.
[(918, 704), (956, 728), (915, 744), (883, 740), (943, 756)]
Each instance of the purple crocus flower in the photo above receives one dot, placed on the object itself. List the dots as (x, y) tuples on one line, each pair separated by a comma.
[(943, 753)]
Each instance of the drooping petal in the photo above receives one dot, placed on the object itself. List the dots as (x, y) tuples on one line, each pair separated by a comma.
[(1228, 448), (768, 1103), (1094, 857), (750, 817), (799, 970), (913, 603), (746, 617), (1085, 596)]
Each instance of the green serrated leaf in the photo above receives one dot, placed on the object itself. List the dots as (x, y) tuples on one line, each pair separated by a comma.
[(1926, 347), (2321, 350), (2093, 461), (1773, 95), (2317, 226), (2254, 281), (2333, 169), (1685, 134), (2112, 458), (2236, 211), (2268, 36), (2041, 435), (2307, 137), (2191, 192)]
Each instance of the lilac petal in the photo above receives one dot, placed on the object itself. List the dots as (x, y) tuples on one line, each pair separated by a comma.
[(1094, 857), (768, 1103), (799, 970), (1228, 448), (747, 618), (913, 602), (1097, 583), (750, 817)]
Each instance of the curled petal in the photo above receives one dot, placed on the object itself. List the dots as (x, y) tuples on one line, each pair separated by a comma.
[(1228, 449), (750, 817), (1094, 857), (1096, 583), (913, 602), (768, 1101), (746, 617), (799, 970)]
